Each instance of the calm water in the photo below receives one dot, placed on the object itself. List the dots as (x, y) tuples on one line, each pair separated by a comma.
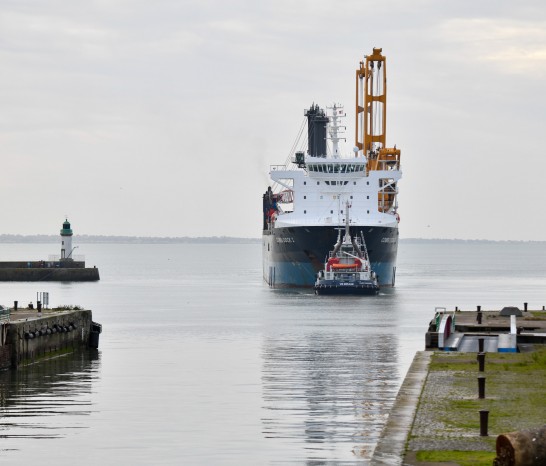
[(200, 363)]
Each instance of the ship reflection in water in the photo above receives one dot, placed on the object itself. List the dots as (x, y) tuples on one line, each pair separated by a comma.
[(331, 391), (46, 400)]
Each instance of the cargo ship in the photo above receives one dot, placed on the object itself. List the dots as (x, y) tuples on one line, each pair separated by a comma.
[(305, 205)]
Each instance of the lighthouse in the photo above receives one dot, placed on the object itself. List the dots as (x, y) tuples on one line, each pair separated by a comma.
[(66, 241)]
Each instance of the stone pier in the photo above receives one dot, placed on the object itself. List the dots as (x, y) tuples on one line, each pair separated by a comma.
[(28, 336)]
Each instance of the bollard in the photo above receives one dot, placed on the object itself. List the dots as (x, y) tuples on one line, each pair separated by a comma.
[(456, 308), (39, 306), (484, 418), (15, 303), (525, 307), (480, 345), (481, 386), (96, 330), (481, 361)]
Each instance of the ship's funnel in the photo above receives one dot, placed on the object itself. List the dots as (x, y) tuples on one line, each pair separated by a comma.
[(316, 131)]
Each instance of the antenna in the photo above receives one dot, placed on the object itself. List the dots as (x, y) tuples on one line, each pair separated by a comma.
[(334, 128)]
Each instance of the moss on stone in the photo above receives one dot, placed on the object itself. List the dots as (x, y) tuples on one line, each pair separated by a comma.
[(463, 458), (447, 418)]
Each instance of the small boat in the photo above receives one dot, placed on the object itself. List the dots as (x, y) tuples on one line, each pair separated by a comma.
[(347, 269)]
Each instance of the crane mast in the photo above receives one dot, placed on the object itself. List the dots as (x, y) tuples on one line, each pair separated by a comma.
[(371, 114)]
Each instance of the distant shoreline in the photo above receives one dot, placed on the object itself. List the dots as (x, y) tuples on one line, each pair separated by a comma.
[(466, 241), (83, 239), (218, 240)]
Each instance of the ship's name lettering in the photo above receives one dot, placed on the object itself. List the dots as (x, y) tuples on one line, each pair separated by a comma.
[(388, 240), (285, 240)]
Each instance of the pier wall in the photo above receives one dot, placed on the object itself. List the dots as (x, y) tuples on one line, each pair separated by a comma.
[(42, 264), (49, 274), (5, 356), (27, 341)]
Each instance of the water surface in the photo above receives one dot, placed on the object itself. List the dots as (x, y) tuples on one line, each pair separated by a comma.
[(200, 363)]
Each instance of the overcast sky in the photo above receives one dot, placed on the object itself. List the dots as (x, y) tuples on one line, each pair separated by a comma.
[(162, 118)]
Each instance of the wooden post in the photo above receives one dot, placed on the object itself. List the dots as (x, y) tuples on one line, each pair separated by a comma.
[(484, 419), (481, 361), (481, 386)]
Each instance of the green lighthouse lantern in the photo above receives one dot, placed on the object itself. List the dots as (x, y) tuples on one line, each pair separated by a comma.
[(66, 241)]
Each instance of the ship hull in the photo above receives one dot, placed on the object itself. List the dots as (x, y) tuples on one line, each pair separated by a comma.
[(293, 256), (335, 287)]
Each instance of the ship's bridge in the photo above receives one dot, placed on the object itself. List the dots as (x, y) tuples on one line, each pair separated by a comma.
[(318, 167)]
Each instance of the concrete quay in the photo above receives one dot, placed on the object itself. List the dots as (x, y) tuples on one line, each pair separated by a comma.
[(436, 417), (28, 336), (503, 330)]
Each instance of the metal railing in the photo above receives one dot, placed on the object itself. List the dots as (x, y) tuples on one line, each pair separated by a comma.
[(57, 258)]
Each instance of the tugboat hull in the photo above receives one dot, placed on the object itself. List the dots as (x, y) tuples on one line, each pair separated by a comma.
[(340, 288)]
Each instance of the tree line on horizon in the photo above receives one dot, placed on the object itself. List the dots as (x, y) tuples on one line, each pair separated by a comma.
[(11, 238)]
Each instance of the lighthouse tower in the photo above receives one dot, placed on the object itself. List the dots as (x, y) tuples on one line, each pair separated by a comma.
[(66, 241)]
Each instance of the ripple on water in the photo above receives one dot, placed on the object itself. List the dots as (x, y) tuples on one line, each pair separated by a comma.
[(326, 391)]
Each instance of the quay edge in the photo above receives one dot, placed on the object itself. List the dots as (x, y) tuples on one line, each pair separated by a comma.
[(391, 446), (29, 337)]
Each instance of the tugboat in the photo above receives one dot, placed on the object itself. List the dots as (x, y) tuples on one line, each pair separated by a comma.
[(347, 269)]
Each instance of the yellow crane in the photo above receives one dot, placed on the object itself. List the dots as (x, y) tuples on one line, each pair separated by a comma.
[(371, 122)]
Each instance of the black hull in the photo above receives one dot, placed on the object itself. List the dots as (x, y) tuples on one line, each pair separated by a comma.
[(337, 290), (293, 256)]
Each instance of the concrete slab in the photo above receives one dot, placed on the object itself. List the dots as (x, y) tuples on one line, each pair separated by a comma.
[(470, 344)]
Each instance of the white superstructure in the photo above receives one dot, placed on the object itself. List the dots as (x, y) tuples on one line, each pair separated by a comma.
[(315, 192)]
